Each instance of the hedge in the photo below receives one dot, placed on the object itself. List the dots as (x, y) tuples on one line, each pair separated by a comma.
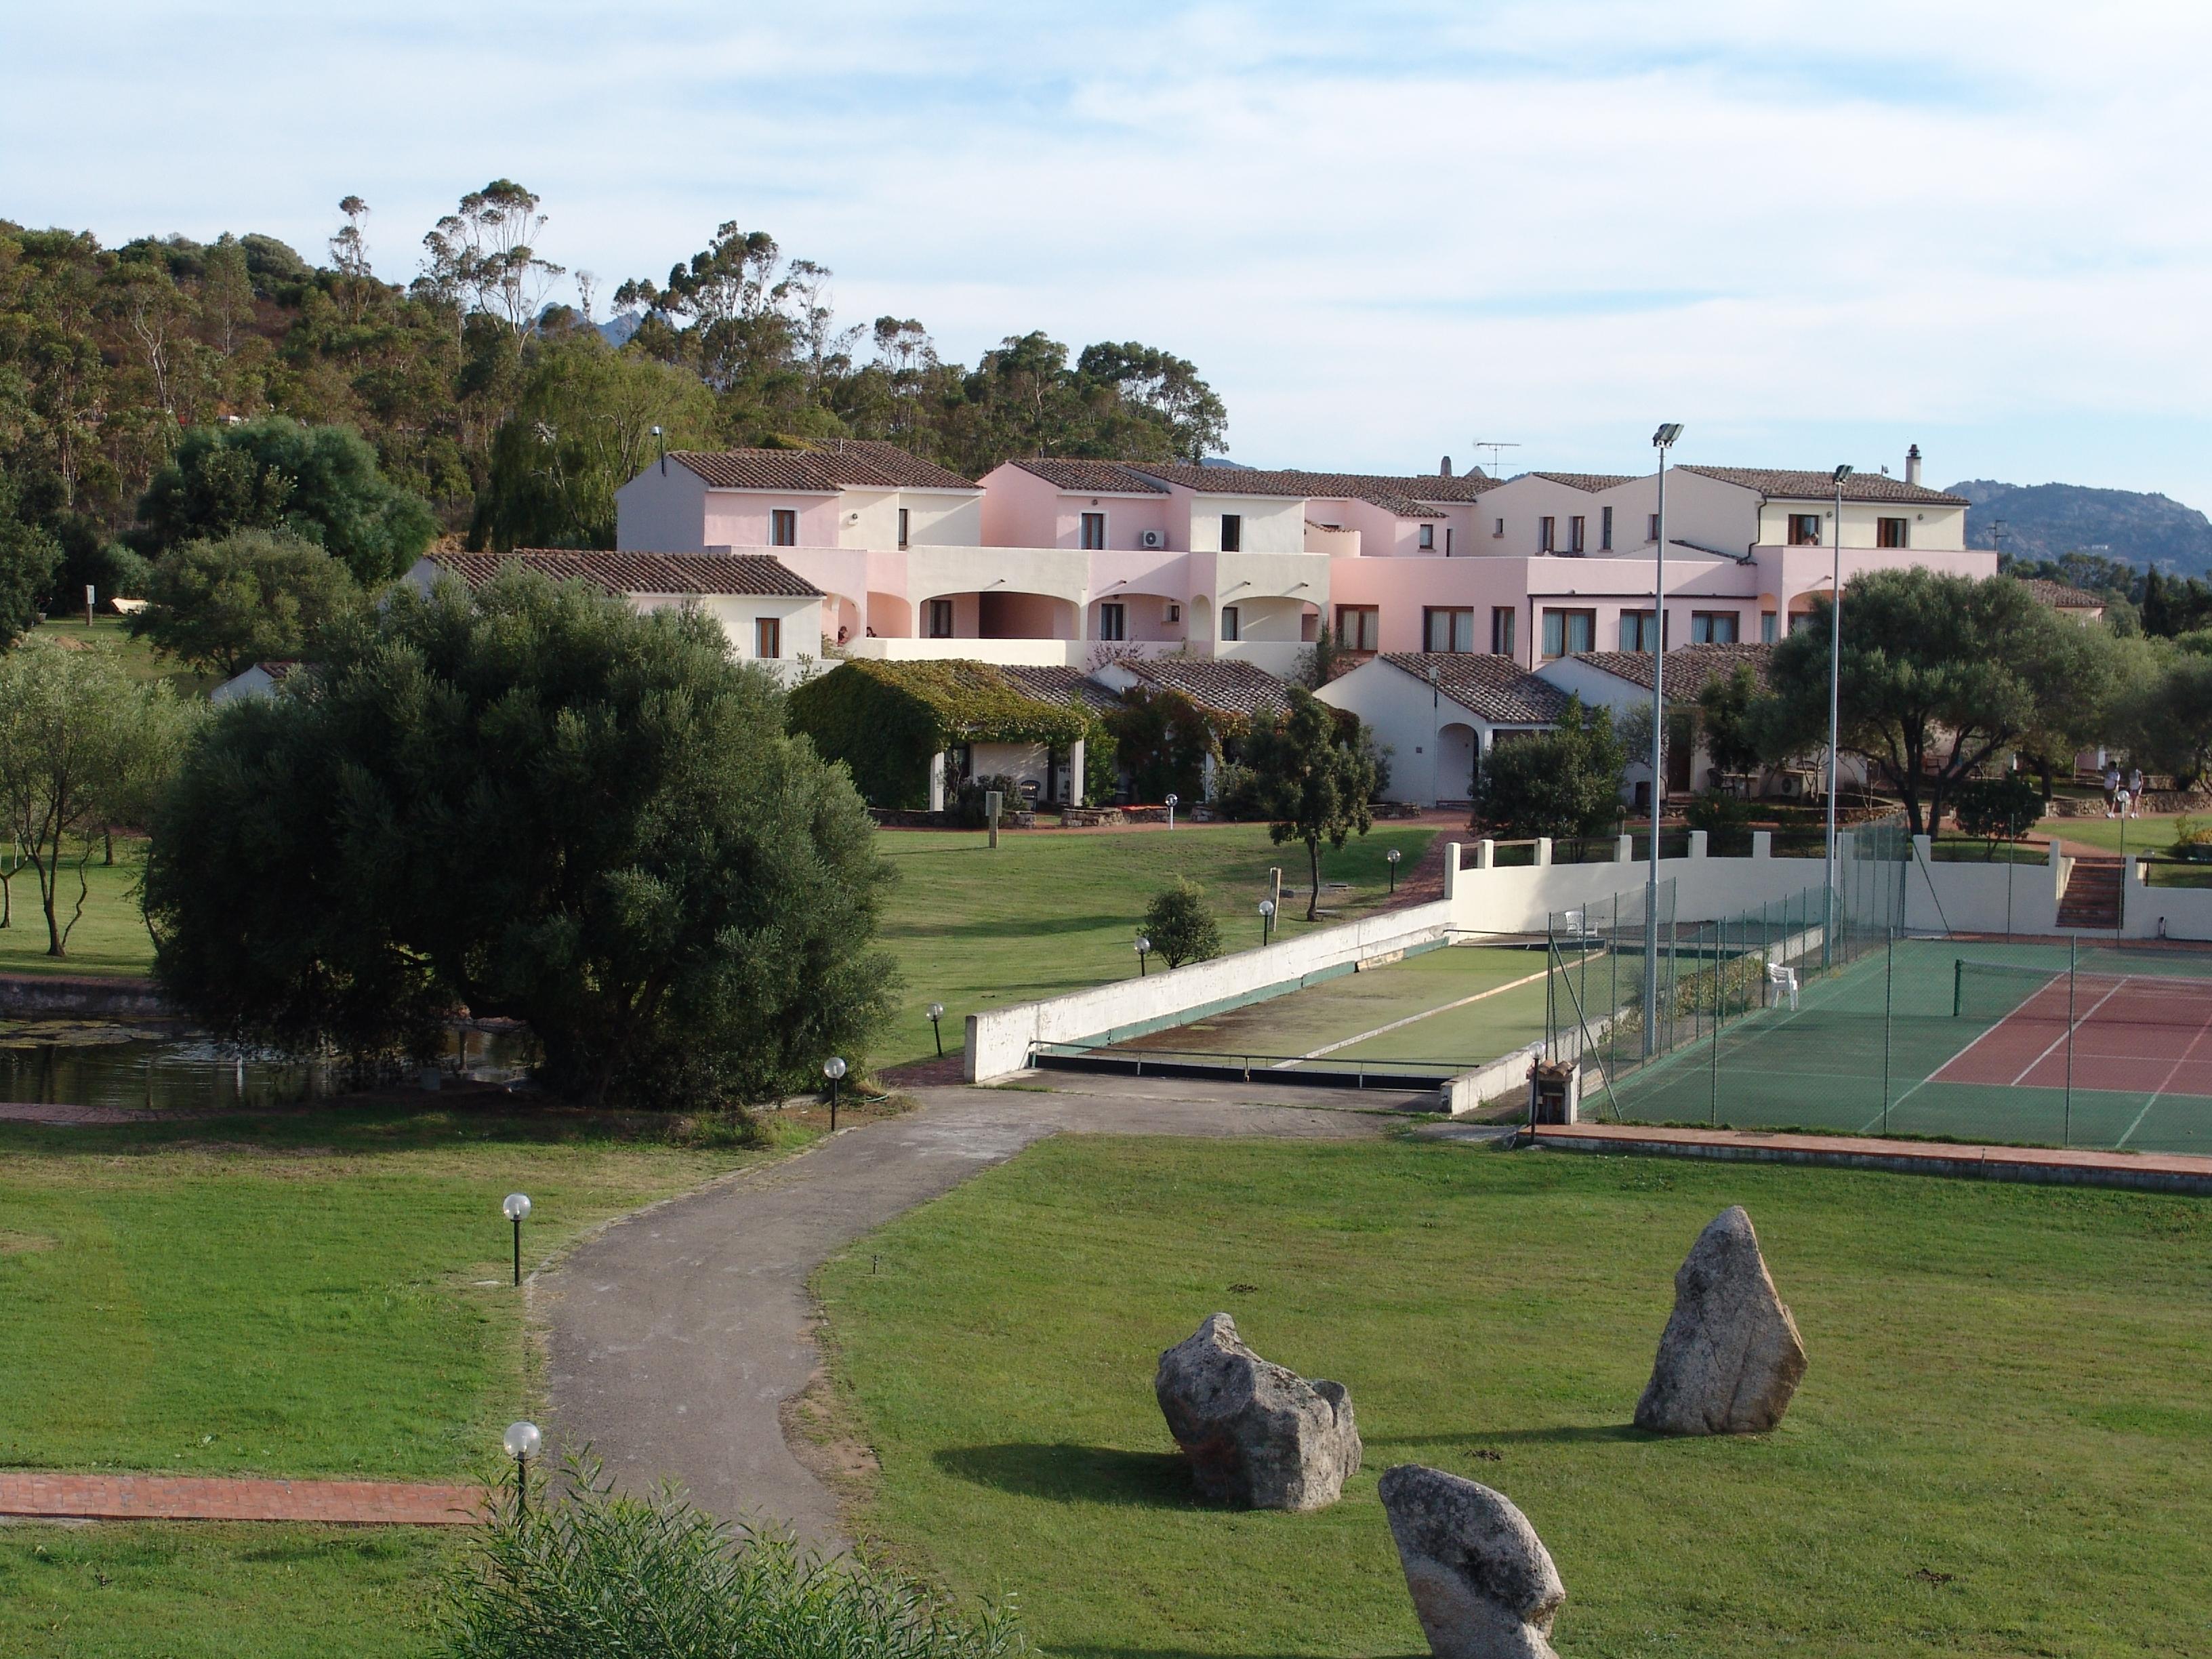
[(885, 720)]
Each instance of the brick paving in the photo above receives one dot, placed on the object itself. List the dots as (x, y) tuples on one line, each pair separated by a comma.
[(24, 1494)]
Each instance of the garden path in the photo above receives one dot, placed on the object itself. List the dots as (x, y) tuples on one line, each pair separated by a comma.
[(680, 1334)]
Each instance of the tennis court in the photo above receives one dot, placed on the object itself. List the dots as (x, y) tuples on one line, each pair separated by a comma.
[(2108, 1047), (1453, 1006)]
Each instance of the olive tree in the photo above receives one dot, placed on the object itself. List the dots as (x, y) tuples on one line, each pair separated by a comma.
[(252, 596), (1312, 778), (530, 802)]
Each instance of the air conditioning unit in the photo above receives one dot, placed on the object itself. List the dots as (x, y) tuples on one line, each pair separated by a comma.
[(1152, 538)]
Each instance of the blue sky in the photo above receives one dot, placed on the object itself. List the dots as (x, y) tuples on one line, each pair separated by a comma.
[(1809, 233)]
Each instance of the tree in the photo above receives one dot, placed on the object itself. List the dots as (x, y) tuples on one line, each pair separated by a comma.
[(1939, 673), (1161, 739), (484, 255), (1565, 782), (1312, 778), (2001, 808), (582, 428), (255, 596), (29, 557), (531, 802), (2164, 717), (320, 483), (1181, 926), (81, 744), (1725, 710)]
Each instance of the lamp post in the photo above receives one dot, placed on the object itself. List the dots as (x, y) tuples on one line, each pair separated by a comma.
[(522, 1441), (1391, 858), (935, 1011), (834, 1069), (516, 1206), (1267, 920), (1835, 705), (1662, 440), (1172, 799), (1144, 951)]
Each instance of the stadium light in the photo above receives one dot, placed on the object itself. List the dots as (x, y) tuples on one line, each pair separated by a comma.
[(1663, 440), (1835, 705)]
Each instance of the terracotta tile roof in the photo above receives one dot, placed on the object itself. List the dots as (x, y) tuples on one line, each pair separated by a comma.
[(1777, 483), (824, 472), (1404, 496), (1591, 482), (1495, 688), (1091, 477), (639, 573), (2061, 596), (1690, 668), (1063, 685), (1219, 687)]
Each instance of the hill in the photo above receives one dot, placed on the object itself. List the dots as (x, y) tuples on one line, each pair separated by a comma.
[(2046, 521)]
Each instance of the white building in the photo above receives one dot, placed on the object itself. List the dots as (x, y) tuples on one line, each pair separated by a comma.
[(1440, 713)]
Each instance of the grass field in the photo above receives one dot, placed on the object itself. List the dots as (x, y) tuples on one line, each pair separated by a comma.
[(111, 938), (1461, 1005), (138, 656), (1050, 913), (309, 1294), (2003, 1446), (2145, 834)]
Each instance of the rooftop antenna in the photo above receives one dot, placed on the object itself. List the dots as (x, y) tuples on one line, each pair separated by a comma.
[(1493, 445), (1997, 529)]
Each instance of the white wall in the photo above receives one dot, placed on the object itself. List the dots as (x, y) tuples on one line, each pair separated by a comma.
[(1408, 716), (662, 510)]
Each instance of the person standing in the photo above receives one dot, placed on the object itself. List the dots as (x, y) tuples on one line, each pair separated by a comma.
[(2135, 787), (2111, 785)]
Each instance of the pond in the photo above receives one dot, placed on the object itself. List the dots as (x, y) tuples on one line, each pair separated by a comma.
[(159, 1067)]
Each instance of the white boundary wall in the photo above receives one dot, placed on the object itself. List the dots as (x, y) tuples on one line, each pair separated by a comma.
[(1486, 899), (1001, 1039)]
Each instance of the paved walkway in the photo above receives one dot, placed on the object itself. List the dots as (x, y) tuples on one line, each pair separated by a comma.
[(195, 1497), (678, 1334)]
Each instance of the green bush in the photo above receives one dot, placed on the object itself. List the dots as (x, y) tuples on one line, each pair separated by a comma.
[(885, 720), (583, 1574), (1565, 782), (2001, 808), (967, 804), (1181, 926)]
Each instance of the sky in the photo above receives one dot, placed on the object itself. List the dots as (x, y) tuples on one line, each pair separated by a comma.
[(1810, 234)]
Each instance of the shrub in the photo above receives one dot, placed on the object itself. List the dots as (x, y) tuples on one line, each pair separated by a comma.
[(2001, 808), (587, 1575), (1562, 783), (966, 809), (1181, 926)]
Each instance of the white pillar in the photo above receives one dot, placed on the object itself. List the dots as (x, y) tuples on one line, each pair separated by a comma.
[(1624, 850), (1451, 867), (1543, 850), (1697, 843), (1075, 761), (1486, 854), (937, 782), (1762, 844)]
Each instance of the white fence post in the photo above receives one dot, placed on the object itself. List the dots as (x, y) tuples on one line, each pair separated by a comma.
[(1762, 844), (1543, 851)]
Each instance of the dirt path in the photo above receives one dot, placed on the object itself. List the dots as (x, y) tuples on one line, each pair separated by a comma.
[(679, 1334)]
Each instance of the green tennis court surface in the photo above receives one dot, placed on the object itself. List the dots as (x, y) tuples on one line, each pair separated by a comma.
[(1461, 1005), (1898, 1049)]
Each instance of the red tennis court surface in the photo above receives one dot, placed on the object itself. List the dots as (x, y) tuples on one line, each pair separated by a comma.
[(2130, 1034)]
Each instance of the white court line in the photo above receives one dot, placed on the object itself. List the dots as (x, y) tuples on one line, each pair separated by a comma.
[(2072, 1026), (2203, 1031), (1410, 1019)]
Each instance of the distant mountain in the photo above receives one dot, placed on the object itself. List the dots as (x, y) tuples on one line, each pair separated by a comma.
[(617, 329), (2045, 521)]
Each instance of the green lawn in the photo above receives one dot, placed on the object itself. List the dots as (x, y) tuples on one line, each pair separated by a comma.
[(111, 938), (1050, 913), (2145, 834), (2003, 1446), (139, 657), (321, 1293)]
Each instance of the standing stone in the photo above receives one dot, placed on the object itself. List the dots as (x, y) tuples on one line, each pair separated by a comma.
[(1482, 1582), (1256, 1435), (1731, 1357)]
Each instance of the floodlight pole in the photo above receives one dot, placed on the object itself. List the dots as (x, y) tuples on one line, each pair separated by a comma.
[(1835, 707), (1662, 440)]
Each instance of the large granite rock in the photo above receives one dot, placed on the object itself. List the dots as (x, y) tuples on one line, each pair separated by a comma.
[(1482, 1582), (1256, 1435), (1730, 1357)]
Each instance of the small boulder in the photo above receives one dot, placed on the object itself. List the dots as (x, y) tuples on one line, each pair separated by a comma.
[(1256, 1435), (1483, 1584), (1731, 1357)]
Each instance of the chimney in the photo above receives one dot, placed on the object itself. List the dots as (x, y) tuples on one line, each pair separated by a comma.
[(1912, 464), (1444, 469)]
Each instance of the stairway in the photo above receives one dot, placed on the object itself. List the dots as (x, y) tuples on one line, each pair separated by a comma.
[(2092, 898)]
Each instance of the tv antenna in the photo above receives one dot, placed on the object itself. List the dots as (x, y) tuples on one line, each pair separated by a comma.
[(1997, 529), (1493, 445)]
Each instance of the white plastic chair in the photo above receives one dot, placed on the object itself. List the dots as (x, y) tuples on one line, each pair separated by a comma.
[(1783, 979)]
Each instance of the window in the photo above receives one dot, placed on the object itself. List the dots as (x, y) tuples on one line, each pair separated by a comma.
[(1113, 621), (1544, 537), (1498, 527), (1889, 532), (1232, 532), (1651, 528), (1804, 530), (1766, 620), (1357, 627), (1428, 539), (1232, 623), (1094, 532), (1448, 541), (1800, 621), (783, 528), (1638, 631), (1502, 618), (1448, 628), (940, 619), (1712, 627), (902, 523), (1574, 533), (767, 637), (1605, 530), (1567, 632)]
